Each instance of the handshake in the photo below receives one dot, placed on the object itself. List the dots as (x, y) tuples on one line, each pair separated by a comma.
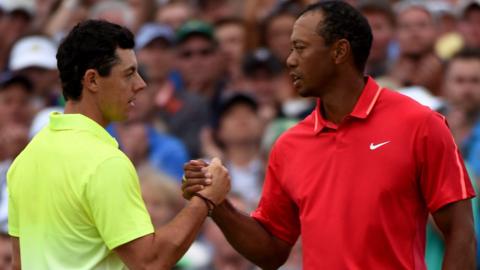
[(208, 181)]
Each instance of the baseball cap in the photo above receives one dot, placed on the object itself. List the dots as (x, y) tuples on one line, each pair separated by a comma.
[(195, 27), (27, 6), (33, 51), (151, 31), (228, 101), (261, 58)]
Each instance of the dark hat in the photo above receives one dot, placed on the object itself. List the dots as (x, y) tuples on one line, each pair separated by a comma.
[(228, 101), (9, 78), (261, 59), (195, 27)]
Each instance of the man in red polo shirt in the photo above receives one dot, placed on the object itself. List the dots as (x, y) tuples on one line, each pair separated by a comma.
[(360, 175)]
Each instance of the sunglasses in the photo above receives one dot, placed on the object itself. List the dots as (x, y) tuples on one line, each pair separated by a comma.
[(187, 54)]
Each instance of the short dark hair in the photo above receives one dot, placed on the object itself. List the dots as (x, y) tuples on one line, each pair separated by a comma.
[(342, 21), (90, 45), (467, 54)]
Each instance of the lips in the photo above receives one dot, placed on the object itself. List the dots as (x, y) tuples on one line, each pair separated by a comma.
[(295, 78), (131, 102)]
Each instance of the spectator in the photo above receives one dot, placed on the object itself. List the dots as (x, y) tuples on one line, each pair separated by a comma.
[(154, 47), (238, 131), (34, 57), (417, 63), (381, 18), (161, 195), (231, 34), (175, 13), (470, 23), (462, 91), (15, 20), (224, 256), (277, 29), (262, 70), (198, 58), (15, 100), (113, 11)]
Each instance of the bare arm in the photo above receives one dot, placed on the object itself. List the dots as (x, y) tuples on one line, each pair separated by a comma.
[(455, 221), (16, 265), (250, 238), (162, 249), (243, 232)]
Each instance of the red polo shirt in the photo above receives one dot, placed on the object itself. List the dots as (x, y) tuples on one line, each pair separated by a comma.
[(360, 192)]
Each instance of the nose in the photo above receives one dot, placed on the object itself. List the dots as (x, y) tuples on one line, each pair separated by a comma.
[(291, 60), (140, 85)]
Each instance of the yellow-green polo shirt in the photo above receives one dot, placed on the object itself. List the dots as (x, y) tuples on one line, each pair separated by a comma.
[(73, 197)]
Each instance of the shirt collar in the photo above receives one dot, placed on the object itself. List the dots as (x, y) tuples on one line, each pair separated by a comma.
[(362, 109), (80, 122)]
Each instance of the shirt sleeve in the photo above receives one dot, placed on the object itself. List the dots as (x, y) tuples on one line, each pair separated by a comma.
[(114, 198), (443, 177), (276, 211)]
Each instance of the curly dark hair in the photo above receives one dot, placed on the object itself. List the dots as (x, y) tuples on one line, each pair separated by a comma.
[(342, 21), (90, 45)]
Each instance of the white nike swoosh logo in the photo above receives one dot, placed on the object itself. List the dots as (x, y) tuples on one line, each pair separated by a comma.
[(375, 146)]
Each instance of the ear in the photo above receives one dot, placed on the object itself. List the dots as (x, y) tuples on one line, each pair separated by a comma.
[(341, 51), (90, 80)]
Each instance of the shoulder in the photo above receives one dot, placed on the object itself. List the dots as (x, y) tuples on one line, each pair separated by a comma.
[(397, 107)]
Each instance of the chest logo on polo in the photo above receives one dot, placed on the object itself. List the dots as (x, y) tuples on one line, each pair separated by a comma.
[(375, 146)]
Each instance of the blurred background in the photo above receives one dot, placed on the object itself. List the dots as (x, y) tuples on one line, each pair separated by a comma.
[(217, 86)]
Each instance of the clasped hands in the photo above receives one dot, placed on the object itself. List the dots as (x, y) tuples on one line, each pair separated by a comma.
[(210, 181)]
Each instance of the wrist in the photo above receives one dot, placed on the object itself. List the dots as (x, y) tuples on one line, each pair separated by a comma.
[(225, 205), (210, 205)]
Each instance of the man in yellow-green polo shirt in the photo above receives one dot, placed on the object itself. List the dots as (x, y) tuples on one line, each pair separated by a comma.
[(74, 197)]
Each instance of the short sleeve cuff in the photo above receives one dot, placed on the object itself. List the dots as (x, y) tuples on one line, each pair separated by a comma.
[(129, 237), (438, 205), (281, 233)]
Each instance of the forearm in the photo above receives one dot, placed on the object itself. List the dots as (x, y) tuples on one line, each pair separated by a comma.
[(172, 240), (459, 252), (250, 238)]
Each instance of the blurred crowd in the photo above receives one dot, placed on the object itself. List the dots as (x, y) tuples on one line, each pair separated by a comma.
[(217, 86)]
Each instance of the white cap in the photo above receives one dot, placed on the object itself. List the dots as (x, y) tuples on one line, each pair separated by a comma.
[(13, 5), (33, 51)]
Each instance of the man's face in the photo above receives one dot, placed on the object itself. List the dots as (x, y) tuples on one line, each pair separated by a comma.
[(117, 91), (240, 124), (278, 35), (470, 28), (382, 31), (157, 58), (231, 38), (416, 32), (310, 61), (197, 61), (462, 84), (44, 80), (15, 105)]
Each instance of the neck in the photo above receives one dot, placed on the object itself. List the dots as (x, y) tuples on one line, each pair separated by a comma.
[(242, 154), (340, 98), (82, 107)]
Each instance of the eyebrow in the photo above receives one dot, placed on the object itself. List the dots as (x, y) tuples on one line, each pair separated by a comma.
[(130, 69)]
